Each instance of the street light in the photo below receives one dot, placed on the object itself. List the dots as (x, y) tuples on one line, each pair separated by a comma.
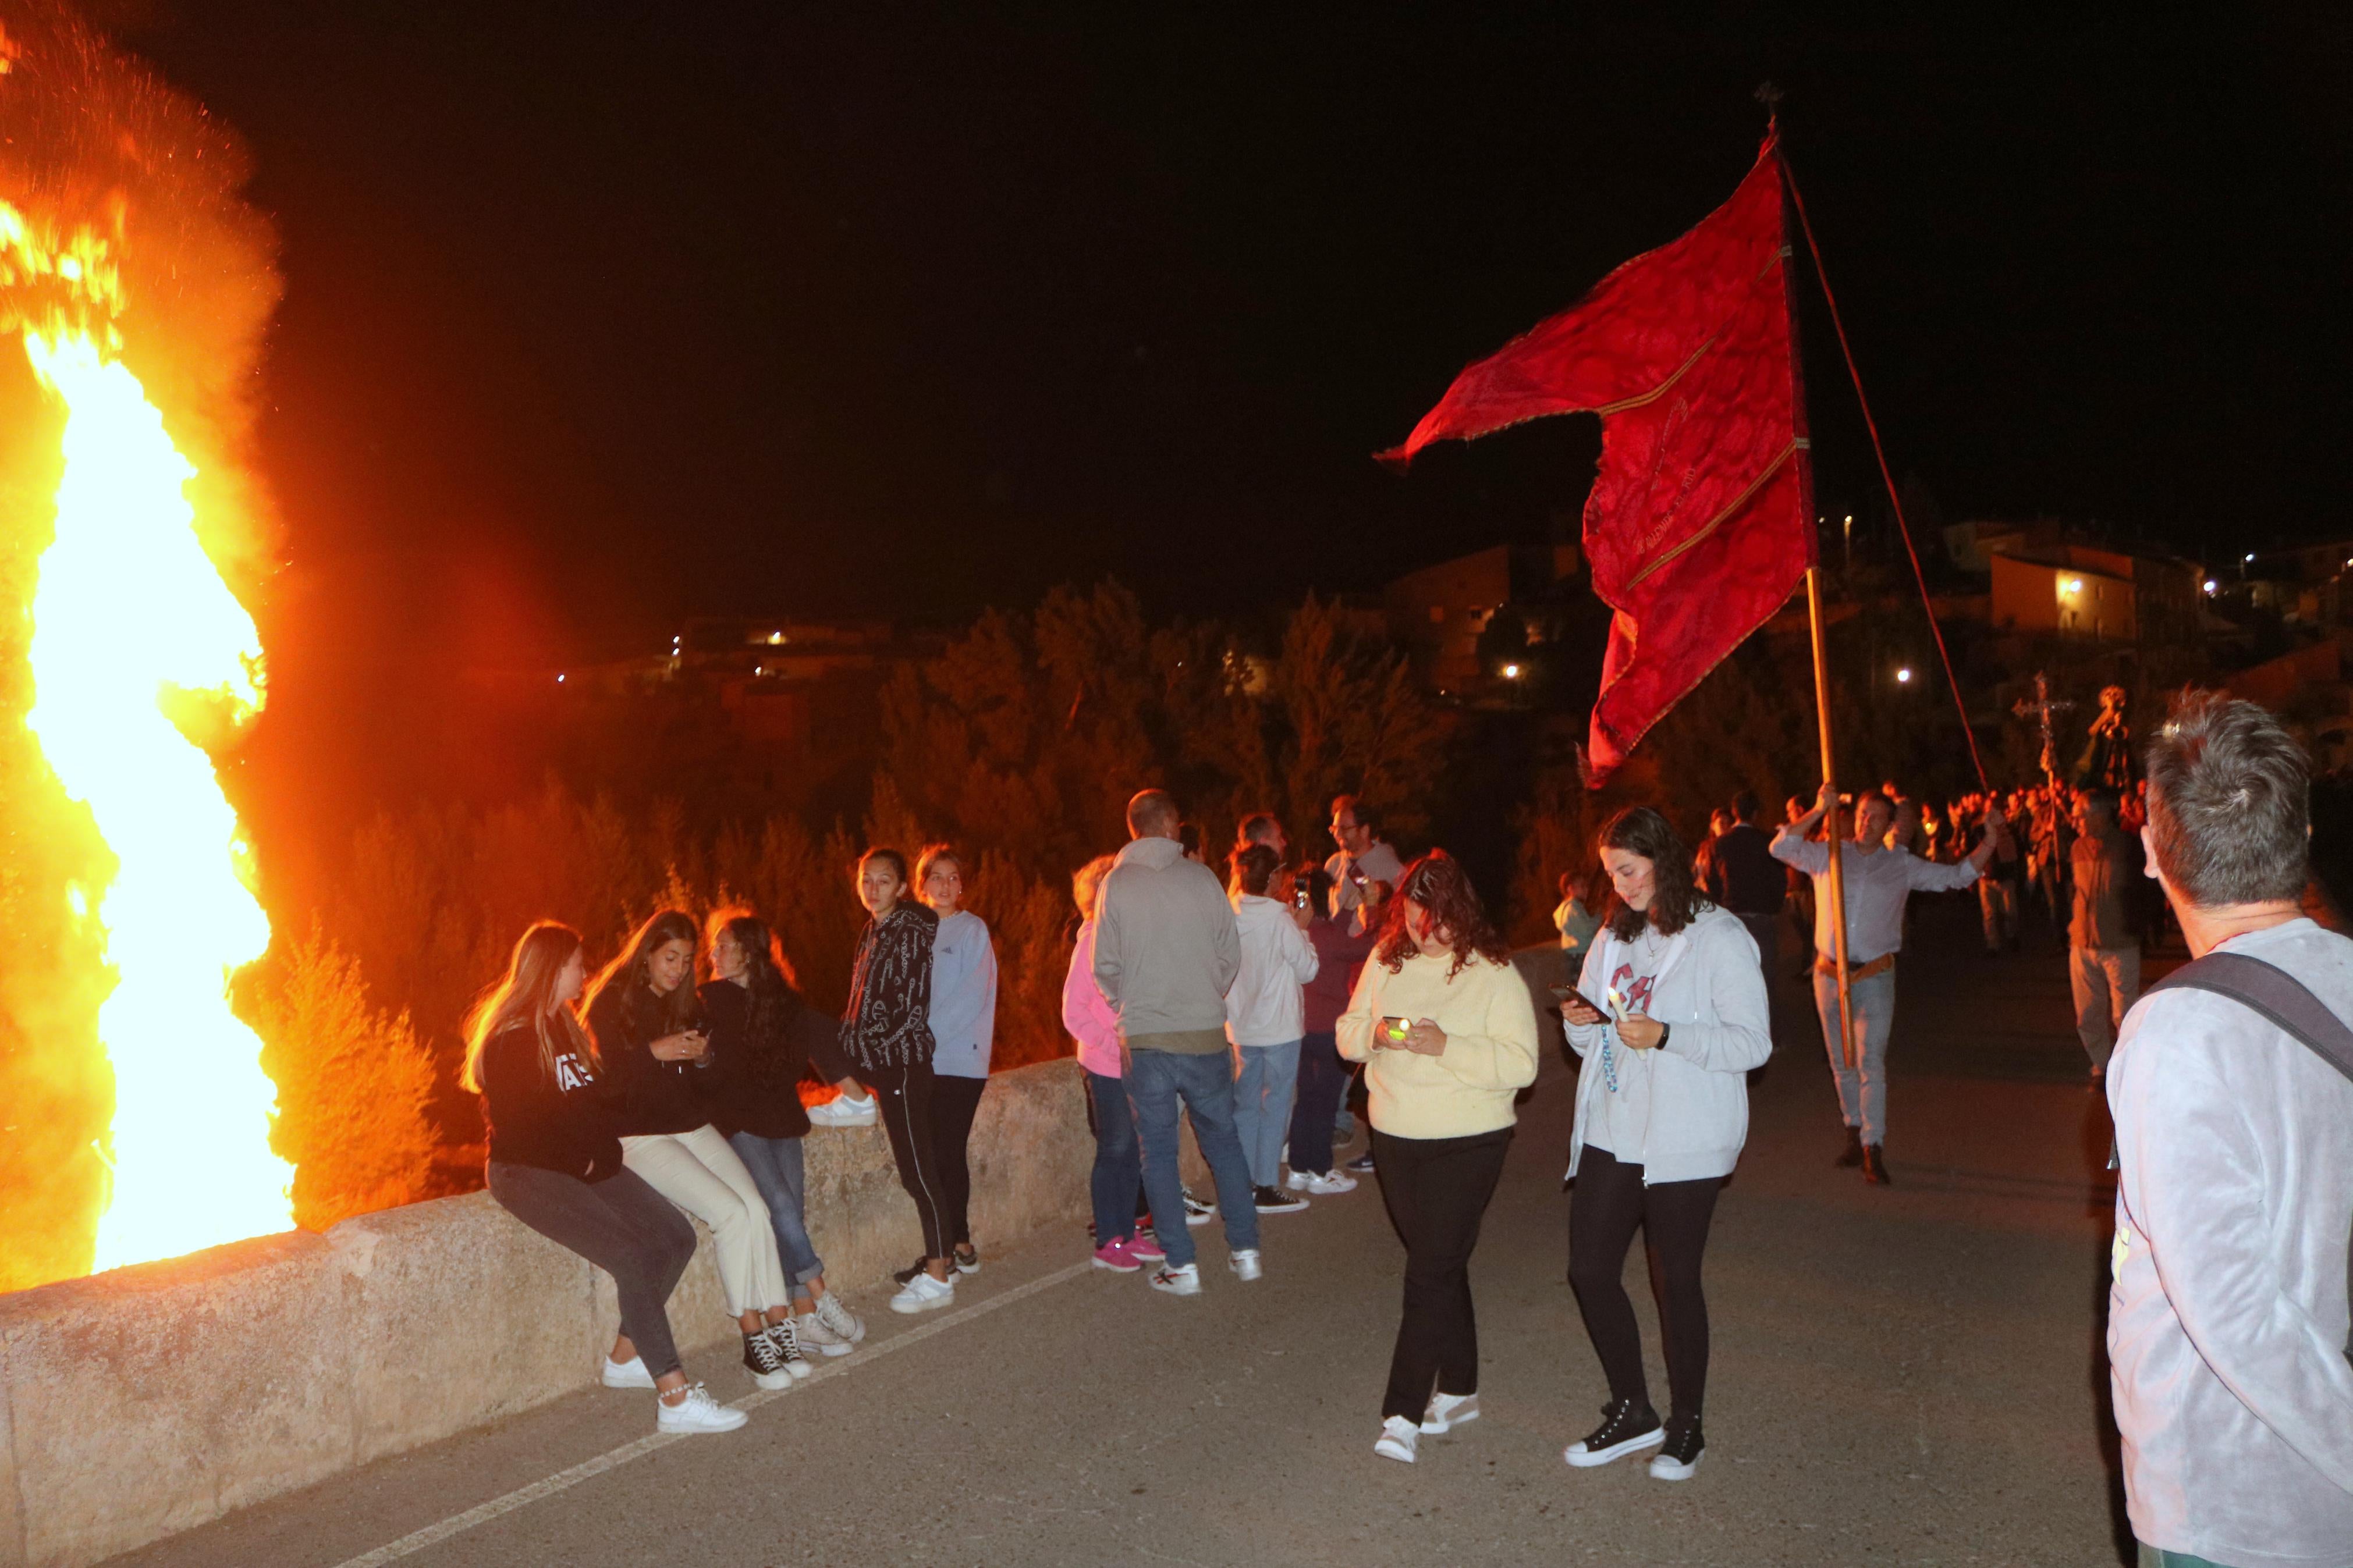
[(2074, 584), (1903, 676), (2210, 584), (1511, 672)]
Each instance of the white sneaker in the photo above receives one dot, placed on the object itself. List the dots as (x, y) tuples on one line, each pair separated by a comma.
[(844, 1111), (1182, 1281), (1448, 1411), (1245, 1264), (1331, 1182), (630, 1374), (786, 1338), (922, 1293), (839, 1320), (1297, 1182), (815, 1336), (1397, 1440), (698, 1412)]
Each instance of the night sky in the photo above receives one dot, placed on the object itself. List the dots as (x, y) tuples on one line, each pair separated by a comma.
[(599, 314)]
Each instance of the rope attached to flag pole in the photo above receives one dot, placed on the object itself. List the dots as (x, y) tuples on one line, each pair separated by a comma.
[(1902, 526)]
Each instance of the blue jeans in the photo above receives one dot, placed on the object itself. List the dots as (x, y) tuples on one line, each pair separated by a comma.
[(776, 1170), (1264, 1080), (1863, 1095), (1119, 1165), (1157, 1082), (1322, 1077)]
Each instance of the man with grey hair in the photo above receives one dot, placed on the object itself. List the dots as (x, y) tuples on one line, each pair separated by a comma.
[(2228, 1333), (1167, 952)]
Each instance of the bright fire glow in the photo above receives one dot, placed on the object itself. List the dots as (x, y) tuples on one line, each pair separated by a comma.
[(129, 612)]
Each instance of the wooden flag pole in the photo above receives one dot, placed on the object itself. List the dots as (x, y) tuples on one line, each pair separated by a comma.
[(1849, 1048), (1848, 1052)]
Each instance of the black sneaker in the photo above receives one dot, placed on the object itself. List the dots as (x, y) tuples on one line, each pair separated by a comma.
[(1363, 1162), (1679, 1456), (766, 1363), (1852, 1155), (909, 1272), (1273, 1200), (1625, 1427)]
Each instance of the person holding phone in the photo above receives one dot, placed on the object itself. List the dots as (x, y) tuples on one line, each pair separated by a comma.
[(1669, 1013), (1448, 1034), (645, 1024)]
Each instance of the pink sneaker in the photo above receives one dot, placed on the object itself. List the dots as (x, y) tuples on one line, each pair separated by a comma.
[(1115, 1256), (1144, 1250)]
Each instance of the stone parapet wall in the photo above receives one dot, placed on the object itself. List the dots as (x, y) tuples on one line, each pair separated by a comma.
[(145, 1401)]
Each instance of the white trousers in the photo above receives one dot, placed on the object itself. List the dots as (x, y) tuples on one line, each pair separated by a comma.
[(699, 1172)]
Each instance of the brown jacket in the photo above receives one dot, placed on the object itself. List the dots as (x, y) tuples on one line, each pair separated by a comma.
[(2104, 867)]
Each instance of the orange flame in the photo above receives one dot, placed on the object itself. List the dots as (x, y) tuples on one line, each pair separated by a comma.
[(131, 616)]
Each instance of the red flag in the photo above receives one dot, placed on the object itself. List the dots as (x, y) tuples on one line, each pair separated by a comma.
[(1697, 526)]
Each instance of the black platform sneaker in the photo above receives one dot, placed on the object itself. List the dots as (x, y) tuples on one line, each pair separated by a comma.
[(1625, 1427), (1679, 1456)]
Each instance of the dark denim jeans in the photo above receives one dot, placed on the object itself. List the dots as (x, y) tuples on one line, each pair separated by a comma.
[(1323, 1079), (1158, 1084), (1119, 1164), (777, 1171)]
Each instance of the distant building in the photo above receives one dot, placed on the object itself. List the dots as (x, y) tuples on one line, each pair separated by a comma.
[(2048, 583), (1440, 612)]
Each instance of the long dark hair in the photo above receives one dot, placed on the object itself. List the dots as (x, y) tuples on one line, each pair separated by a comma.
[(1674, 897), (767, 972), (1437, 883), (661, 1015)]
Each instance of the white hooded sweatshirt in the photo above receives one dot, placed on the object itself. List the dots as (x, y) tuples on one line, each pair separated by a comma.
[(1265, 1007)]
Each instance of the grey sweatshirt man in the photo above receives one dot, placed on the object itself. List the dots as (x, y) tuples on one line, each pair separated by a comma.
[(1166, 949), (2227, 1319)]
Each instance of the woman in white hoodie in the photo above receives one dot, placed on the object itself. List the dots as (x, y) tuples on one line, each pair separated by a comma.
[(1266, 1018), (1670, 1016)]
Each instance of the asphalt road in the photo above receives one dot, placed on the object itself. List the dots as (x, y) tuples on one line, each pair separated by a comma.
[(1909, 1374)]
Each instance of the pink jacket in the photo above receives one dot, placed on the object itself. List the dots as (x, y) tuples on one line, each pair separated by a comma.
[(1085, 1014)]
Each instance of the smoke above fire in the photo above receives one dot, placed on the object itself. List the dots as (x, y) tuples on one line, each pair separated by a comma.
[(121, 222)]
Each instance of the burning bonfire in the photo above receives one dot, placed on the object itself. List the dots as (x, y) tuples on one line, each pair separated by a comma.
[(134, 655)]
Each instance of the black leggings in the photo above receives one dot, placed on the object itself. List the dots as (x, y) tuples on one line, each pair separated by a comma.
[(1609, 1203), (620, 1225), (955, 1102), (1437, 1189), (904, 1096)]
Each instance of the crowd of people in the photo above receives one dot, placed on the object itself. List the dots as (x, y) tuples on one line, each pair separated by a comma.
[(1262, 1006)]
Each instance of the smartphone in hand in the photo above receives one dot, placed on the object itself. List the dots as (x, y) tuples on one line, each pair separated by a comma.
[(1392, 1030), (1575, 1008)]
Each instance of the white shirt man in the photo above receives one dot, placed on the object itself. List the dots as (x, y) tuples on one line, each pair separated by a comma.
[(1879, 882)]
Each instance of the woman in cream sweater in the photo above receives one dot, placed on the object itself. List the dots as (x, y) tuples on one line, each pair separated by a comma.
[(1670, 1016), (1448, 1034)]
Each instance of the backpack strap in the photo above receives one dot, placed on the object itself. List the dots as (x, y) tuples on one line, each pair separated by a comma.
[(2268, 989), (2279, 996)]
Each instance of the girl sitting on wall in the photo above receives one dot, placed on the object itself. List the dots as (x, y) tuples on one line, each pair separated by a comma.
[(762, 1036), (555, 1164), (643, 1020)]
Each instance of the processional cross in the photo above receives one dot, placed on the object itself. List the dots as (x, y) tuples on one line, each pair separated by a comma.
[(2042, 710)]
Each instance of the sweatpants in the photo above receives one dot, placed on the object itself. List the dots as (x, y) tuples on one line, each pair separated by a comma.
[(621, 1226), (702, 1174), (1323, 1079), (1608, 1205), (955, 1102), (2106, 983), (903, 1095), (1437, 1190)]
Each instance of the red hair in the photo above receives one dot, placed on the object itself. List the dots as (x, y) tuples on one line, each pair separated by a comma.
[(1438, 884)]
